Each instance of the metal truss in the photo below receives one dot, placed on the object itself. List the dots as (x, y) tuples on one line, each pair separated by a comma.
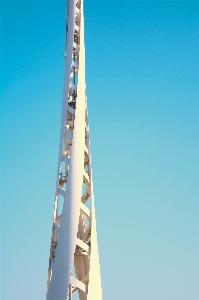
[(74, 260)]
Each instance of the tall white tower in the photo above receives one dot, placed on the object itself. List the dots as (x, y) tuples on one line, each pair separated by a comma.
[(74, 260)]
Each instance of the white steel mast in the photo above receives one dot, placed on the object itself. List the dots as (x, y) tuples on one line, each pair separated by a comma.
[(74, 260)]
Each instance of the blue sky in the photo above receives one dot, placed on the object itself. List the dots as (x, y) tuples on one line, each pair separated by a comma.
[(142, 70)]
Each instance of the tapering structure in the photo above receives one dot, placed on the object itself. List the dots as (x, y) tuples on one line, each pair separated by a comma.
[(74, 260)]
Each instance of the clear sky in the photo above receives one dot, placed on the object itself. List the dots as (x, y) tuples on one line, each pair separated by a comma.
[(142, 70)]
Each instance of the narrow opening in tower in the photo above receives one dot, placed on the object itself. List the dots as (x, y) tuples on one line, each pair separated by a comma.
[(60, 205), (63, 175)]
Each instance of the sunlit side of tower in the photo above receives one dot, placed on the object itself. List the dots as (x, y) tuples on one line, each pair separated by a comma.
[(74, 260)]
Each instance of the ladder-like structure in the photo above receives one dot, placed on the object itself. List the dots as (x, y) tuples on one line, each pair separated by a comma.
[(74, 260)]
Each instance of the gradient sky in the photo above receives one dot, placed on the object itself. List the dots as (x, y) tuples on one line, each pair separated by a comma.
[(142, 70)]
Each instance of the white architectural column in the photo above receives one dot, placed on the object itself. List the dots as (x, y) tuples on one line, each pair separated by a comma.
[(74, 260)]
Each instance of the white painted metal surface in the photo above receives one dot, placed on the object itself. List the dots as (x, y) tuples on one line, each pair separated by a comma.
[(74, 260)]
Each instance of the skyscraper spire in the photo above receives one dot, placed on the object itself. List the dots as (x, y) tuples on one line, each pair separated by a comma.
[(74, 260)]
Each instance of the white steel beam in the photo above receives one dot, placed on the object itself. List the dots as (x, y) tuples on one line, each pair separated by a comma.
[(74, 235)]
